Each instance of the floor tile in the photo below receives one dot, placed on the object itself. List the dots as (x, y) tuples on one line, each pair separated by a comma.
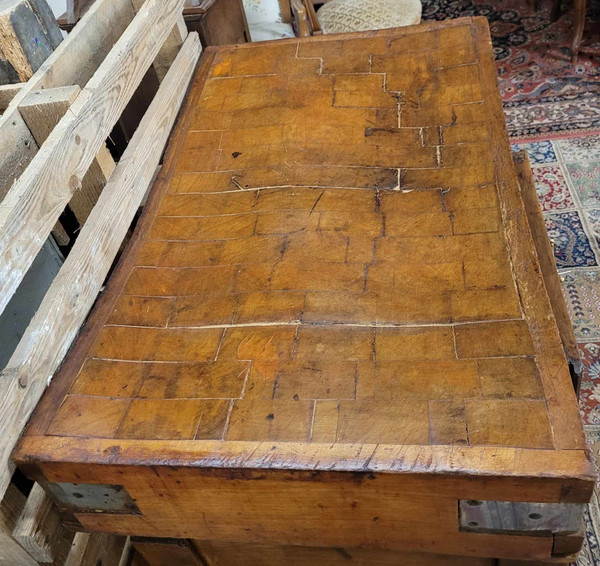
[(586, 148), (593, 218), (572, 246), (586, 181), (552, 188), (538, 151), (582, 294), (589, 396)]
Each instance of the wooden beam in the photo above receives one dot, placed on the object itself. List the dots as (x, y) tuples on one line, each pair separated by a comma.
[(171, 46), (7, 93), (40, 531), (74, 290), (17, 148), (545, 255), (96, 548), (20, 22), (35, 201), (42, 110), (10, 507), (72, 63)]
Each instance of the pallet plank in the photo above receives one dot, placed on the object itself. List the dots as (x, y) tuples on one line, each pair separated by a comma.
[(42, 110), (73, 62), (7, 93), (11, 552), (40, 531), (75, 288), (171, 46), (29, 210), (545, 255), (98, 548)]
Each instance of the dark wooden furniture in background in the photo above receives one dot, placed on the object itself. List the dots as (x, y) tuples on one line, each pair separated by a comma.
[(580, 9), (331, 328), (218, 22)]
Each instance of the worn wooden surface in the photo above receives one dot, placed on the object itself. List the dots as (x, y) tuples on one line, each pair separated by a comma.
[(28, 35), (72, 63), (40, 531), (29, 211), (42, 110), (11, 552), (158, 552), (548, 265), (7, 93), (79, 281), (334, 275), (96, 549)]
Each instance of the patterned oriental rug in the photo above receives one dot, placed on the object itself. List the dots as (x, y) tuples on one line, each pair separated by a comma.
[(552, 109), (545, 95), (567, 178)]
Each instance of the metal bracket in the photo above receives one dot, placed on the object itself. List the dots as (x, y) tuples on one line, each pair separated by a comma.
[(82, 497), (514, 517)]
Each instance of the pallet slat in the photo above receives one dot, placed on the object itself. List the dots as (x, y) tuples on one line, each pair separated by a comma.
[(73, 63), (97, 548), (30, 209), (39, 529), (7, 93), (74, 290), (42, 110), (11, 552)]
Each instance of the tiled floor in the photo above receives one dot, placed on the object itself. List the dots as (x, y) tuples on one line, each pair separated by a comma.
[(567, 177)]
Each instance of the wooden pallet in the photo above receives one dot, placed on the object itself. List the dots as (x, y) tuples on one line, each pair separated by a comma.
[(53, 130)]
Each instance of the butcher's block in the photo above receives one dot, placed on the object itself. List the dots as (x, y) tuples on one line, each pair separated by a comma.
[(330, 329)]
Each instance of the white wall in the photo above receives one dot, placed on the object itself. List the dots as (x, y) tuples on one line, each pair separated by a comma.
[(58, 6)]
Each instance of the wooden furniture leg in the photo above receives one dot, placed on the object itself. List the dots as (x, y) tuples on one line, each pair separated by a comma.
[(555, 12), (580, 6)]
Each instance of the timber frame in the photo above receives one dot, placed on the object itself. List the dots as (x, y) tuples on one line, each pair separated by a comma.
[(53, 153)]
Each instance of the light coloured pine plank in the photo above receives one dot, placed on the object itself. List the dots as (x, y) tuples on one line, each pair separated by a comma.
[(171, 46), (40, 531), (96, 548), (7, 93), (11, 551), (72, 63), (42, 110), (33, 204), (75, 288)]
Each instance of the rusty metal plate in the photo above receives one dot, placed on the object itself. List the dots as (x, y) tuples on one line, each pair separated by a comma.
[(513, 517), (92, 497)]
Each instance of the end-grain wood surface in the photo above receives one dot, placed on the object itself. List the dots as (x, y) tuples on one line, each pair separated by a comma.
[(334, 272)]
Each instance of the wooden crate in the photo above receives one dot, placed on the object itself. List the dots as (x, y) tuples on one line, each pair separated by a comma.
[(53, 130), (331, 329)]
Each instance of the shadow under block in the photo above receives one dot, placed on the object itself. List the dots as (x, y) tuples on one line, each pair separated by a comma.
[(330, 328)]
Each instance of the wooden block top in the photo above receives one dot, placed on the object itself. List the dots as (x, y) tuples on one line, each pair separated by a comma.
[(335, 260)]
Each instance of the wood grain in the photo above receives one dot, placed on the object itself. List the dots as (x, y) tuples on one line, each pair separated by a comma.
[(72, 63), (29, 211), (40, 531), (11, 506), (55, 324), (42, 110), (545, 254), (330, 325)]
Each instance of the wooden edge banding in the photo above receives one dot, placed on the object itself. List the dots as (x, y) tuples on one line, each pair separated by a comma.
[(560, 398), (67, 373), (548, 264), (476, 461)]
